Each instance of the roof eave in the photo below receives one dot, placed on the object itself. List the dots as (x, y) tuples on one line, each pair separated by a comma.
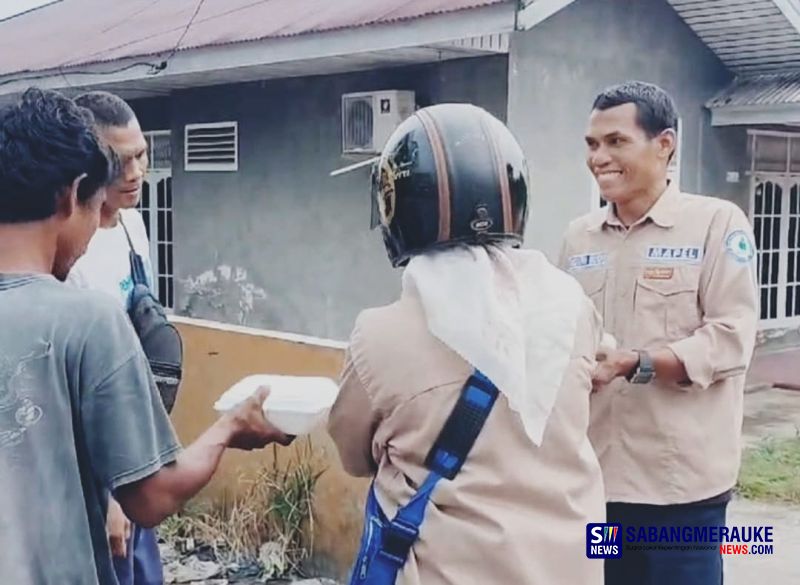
[(790, 11), (426, 31), (784, 113)]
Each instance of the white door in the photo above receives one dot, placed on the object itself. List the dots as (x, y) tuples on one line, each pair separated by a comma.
[(156, 209), (775, 213), (776, 223)]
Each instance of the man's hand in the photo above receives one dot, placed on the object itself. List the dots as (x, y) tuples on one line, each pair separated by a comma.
[(150, 500), (611, 365), (249, 429), (118, 528)]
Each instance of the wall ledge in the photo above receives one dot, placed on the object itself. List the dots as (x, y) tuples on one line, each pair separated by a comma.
[(283, 336)]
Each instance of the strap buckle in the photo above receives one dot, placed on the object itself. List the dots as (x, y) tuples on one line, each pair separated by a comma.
[(398, 538)]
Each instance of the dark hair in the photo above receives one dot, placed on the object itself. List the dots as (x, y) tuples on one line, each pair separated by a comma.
[(46, 142), (655, 110), (107, 108)]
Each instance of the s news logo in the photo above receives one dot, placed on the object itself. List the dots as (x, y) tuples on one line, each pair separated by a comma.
[(603, 541)]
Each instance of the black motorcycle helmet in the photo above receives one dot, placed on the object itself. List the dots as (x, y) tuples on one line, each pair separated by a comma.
[(449, 173)]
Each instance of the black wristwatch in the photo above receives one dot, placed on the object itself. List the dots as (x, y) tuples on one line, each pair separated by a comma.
[(643, 371)]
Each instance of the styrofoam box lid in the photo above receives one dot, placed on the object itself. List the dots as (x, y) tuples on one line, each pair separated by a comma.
[(301, 394)]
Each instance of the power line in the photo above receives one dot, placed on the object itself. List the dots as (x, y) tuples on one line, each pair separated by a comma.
[(129, 16), (64, 77), (154, 68), (110, 72), (29, 10), (189, 24), (161, 33)]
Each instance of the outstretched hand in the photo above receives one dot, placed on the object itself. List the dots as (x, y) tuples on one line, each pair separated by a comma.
[(250, 429)]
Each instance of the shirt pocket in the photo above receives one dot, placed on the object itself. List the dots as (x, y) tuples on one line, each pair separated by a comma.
[(667, 310), (594, 285)]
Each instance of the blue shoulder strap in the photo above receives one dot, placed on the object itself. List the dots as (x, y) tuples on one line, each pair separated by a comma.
[(463, 426), (444, 460)]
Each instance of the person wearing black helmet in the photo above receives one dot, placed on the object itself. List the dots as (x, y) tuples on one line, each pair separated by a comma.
[(467, 400)]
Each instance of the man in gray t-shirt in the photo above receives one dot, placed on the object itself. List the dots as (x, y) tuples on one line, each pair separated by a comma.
[(80, 416)]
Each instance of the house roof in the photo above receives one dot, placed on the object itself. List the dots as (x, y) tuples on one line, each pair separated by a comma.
[(772, 98), (70, 33), (748, 36), (760, 90)]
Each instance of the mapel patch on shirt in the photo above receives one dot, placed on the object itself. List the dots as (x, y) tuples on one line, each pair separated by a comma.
[(675, 254)]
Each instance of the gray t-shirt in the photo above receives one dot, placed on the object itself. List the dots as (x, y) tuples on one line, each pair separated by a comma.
[(79, 415)]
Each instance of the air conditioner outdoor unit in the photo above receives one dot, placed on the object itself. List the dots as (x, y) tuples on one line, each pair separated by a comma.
[(369, 118)]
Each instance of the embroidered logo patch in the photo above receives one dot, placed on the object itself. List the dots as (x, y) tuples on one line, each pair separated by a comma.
[(739, 246), (675, 254), (588, 261), (658, 273)]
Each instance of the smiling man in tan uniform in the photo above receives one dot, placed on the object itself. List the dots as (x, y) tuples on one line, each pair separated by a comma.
[(452, 196), (672, 275)]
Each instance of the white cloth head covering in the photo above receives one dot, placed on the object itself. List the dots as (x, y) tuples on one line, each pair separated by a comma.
[(509, 313)]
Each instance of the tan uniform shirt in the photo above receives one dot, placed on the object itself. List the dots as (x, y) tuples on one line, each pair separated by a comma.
[(682, 277), (515, 514)]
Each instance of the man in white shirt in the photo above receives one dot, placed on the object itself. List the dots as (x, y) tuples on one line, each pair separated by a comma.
[(106, 267)]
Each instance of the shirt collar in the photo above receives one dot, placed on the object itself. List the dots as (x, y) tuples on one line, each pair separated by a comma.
[(662, 213), (665, 209)]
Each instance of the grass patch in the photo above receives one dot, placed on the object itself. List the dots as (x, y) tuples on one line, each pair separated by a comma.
[(276, 507), (771, 471)]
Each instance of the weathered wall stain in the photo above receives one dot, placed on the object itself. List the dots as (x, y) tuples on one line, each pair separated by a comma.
[(223, 293)]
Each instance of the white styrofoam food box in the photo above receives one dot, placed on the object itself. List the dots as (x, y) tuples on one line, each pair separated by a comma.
[(295, 405)]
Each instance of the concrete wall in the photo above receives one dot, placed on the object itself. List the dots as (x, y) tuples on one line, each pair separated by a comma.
[(216, 357), (557, 68), (280, 244), (725, 149)]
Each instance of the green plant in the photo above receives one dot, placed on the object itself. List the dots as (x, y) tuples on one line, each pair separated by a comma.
[(771, 471), (290, 513), (275, 507)]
